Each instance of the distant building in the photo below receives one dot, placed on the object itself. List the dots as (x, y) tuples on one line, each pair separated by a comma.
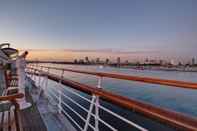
[(126, 62), (193, 61), (81, 61), (118, 62), (138, 63), (92, 61), (188, 63), (180, 63), (146, 61), (161, 62), (87, 60), (97, 60), (107, 61), (151, 62), (172, 62), (75, 61)]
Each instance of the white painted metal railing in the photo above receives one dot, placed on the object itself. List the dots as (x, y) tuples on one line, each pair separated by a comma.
[(42, 82)]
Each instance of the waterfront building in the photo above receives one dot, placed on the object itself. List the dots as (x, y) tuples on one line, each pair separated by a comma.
[(151, 62), (118, 62), (161, 62), (97, 60), (75, 61), (172, 62), (87, 60), (126, 62), (92, 61), (193, 61), (81, 61), (107, 61), (146, 61), (180, 63)]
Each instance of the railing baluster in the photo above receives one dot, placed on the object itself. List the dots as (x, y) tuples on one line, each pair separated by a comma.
[(97, 106), (39, 79), (59, 102), (60, 94), (31, 70), (95, 99), (46, 83), (89, 113), (36, 77)]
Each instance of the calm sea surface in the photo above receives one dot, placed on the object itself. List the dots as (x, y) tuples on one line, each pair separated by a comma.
[(177, 99)]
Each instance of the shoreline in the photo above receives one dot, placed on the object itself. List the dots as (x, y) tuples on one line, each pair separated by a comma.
[(173, 69), (141, 67)]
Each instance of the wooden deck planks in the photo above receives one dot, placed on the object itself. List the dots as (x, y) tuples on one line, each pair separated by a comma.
[(7, 121), (49, 112), (30, 118)]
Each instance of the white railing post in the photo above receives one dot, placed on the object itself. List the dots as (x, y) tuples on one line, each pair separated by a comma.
[(60, 94), (97, 106), (35, 77), (59, 101), (95, 101), (31, 71), (39, 77), (46, 83), (33, 74), (89, 113)]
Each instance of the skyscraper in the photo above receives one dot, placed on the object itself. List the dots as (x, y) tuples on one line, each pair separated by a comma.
[(97, 60), (87, 60), (193, 61), (107, 61), (118, 62)]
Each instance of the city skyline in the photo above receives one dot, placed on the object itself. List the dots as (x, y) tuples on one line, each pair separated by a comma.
[(71, 55)]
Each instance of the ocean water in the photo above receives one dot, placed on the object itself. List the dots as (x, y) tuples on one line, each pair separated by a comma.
[(173, 98)]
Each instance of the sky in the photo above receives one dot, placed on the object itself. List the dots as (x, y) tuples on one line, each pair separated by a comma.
[(101, 28)]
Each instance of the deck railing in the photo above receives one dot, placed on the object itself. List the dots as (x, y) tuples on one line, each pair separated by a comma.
[(166, 116)]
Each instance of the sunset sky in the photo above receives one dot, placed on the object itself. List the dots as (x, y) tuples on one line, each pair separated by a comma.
[(132, 29)]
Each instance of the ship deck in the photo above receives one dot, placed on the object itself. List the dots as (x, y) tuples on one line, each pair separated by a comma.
[(46, 112), (41, 116), (46, 115), (31, 118)]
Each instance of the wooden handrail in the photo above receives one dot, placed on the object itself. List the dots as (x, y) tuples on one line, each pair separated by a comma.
[(163, 115), (11, 97), (172, 83)]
